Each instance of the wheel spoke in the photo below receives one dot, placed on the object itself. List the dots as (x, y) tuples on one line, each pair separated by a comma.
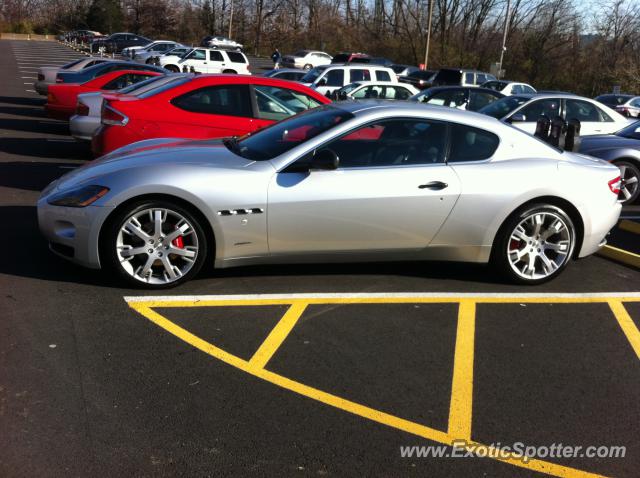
[(144, 273), (128, 252), (134, 228), (169, 270), (625, 192), (631, 180), (548, 265), (520, 234), (555, 228), (561, 247), (157, 223), (180, 231), (187, 252), (538, 220)]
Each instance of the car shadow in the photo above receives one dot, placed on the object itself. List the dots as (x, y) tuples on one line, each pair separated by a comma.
[(53, 148), (22, 100), (43, 126), (22, 111), (32, 176), (31, 258)]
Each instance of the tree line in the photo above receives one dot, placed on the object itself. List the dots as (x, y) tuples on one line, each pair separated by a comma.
[(552, 44)]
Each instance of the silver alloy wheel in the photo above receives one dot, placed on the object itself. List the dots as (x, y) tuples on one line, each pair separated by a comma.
[(539, 245), (629, 183), (157, 246)]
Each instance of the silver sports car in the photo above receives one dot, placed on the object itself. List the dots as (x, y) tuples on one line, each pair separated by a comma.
[(353, 182)]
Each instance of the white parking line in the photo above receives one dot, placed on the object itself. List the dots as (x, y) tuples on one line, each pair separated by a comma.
[(34, 77)]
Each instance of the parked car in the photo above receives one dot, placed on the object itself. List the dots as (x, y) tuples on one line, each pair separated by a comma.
[(305, 59), (156, 48), (339, 183), (403, 70), (509, 88), (461, 97), (622, 149), (626, 105), (380, 60), (116, 42), (209, 60), (168, 57), (523, 112), (86, 120), (419, 79), (205, 106), (291, 74), (382, 90), (47, 74), (62, 98), (325, 79), (220, 42), (461, 77), (346, 57), (95, 71)]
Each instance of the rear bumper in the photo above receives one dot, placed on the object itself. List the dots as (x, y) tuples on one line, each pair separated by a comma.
[(83, 127), (41, 87), (601, 225)]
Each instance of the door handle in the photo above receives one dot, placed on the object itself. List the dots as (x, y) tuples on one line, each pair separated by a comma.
[(434, 185)]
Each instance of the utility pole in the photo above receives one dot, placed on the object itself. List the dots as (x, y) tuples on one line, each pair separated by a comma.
[(230, 19), (426, 50), (504, 37)]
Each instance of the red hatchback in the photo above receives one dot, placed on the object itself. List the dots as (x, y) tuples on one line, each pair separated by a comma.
[(201, 107), (62, 98)]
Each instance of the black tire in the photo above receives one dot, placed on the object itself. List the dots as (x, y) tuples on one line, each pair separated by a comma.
[(504, 248), (109, 244), (172, 68), (631, 171), (230, 72), (307, 67)]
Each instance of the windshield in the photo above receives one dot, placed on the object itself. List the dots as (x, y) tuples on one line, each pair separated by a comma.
[(501, 108), (312, 75), (348, 88), (177, 52), (280, 137), (73, 63), (632, 131)]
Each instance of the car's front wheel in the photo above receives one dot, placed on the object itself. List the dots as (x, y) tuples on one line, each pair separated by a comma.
[(535, 244), (154, 244)]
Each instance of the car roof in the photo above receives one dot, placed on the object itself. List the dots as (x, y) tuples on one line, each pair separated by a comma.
[(353, 65), (382, 83)]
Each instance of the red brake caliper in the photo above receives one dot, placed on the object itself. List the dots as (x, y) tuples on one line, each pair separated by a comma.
[(178, 242), (514, 244)]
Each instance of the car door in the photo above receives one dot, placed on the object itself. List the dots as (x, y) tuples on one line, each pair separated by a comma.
[(196, 59), (392, 191), (480, 98), (526, 117), (330, 81), (216, 62), (593, 120)]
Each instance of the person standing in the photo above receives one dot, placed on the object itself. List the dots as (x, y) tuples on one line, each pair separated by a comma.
[(276, 56)]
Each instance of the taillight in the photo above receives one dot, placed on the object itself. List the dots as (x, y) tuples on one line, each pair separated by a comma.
[(82, 109), (51, 98), (58, 79), (614, 185), (40, 77), (112, 116)]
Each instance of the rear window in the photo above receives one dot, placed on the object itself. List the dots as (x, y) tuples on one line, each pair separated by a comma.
[(341, 58), (73, 63), (471, 144), (215, 55), (165, 87), (236, 57), (614, 99), (449, 77), (382, 75), (421, 74)]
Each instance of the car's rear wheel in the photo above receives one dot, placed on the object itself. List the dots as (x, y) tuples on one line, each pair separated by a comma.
[(154, 244), (630, 175), (231, 72), (308, 66), (535, 244), (172, 68)]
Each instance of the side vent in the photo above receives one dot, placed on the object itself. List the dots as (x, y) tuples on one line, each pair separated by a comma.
[(240, 212)]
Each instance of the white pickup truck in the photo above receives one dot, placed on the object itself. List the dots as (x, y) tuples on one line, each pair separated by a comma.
[(208, 60)]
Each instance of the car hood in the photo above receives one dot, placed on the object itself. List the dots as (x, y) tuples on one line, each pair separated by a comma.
[(156, 153), (607, 141)]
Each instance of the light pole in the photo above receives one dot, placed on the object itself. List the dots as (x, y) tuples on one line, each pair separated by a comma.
[(504, 37), (426, 50), (230, 19)]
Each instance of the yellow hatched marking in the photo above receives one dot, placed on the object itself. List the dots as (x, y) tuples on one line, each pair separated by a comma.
[(626, 324), (460, 410), (278, 334)]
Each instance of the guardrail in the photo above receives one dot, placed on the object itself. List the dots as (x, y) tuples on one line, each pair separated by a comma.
[(26, 36)]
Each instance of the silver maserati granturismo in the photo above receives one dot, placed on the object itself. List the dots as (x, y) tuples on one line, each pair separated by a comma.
[(365, 181)]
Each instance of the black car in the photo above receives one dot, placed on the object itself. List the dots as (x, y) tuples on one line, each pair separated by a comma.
[(421, 79), (623, 150), (613, 100), (116, 42), (462, 97), (102, 68)]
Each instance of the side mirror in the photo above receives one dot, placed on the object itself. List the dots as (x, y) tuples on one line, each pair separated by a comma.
[(342, 96), (324, 160), (518, 118)]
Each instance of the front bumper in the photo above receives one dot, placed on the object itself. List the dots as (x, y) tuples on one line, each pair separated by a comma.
[(83, 127), (73, 233)]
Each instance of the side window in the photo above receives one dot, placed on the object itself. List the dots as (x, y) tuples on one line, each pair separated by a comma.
[(401, 142), (516, 89), (481, 78), (236, 57), (199, 55), (397, 93), (583, 111), (469, 79), (335, 78), (635, 103), (215, 55), (229, 100), (479, 99), (527, 89), (278, 103), (382, 75), (125, 80), (549, 107), (360, 75), (451, 98), (471, 144)]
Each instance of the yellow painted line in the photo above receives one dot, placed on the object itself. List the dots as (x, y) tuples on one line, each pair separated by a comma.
[(626, 324), (629, 226), (377, 416), (460, 408), (620, 255), (277, 335)]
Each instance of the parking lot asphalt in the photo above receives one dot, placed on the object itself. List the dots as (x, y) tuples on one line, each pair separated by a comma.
[(319, 370)]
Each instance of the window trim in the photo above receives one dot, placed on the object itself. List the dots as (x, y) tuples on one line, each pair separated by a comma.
[(251, 100)]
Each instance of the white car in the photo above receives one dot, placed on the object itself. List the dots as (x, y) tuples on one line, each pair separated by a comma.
[(47, 74), (328, 78), (380, 90), (306, 59), (220, 42), (209, 60), (509, 88), (155, 49), (523, 112), (172, 56)]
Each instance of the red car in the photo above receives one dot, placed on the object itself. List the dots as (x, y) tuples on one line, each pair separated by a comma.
[(201, 107), (62, 98)]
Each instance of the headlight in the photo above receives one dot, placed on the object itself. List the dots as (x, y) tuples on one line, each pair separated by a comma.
[(79, 197)]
